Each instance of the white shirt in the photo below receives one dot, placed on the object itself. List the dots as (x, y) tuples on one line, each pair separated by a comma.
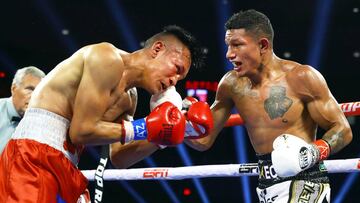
[(7, 127)]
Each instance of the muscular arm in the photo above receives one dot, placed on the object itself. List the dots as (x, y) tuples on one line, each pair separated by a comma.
[(101, 74), (124, 156), (324, 109), (220, 109)]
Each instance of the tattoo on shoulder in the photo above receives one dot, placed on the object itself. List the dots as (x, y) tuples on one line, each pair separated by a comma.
[(278, 103), (240, 89)]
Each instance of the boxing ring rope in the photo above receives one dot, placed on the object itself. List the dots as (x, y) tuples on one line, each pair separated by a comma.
[(203, 171), (224, 170)]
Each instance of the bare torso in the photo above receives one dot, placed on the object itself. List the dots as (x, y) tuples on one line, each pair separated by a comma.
[(57, 92), (272, 108)]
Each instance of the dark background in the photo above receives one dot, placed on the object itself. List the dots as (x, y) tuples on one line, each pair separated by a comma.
[(43, 33)]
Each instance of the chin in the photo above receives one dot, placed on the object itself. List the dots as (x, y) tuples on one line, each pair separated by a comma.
[(150, 88), (153, 91), (240, 74)]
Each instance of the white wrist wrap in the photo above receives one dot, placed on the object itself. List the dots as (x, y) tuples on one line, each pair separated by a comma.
[(129, 131)]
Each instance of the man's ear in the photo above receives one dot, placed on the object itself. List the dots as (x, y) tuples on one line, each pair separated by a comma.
[(13, 88), (156, 48), (264, 44)]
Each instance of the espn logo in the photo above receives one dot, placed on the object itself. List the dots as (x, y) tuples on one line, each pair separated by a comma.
[(155, 173)]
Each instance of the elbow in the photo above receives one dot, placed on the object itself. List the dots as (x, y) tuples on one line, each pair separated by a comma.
[(203, 148), (116, 159), (115, 162), (75, 138), (79, 135), (199, 146), (348, 136), (206, 143), (118, 162)]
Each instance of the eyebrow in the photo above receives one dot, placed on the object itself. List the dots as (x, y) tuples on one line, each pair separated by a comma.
[(30, 86), (180, 51)]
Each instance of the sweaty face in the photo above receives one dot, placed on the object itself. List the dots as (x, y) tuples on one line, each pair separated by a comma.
[(21, 93), (243, 51), (171, 65)]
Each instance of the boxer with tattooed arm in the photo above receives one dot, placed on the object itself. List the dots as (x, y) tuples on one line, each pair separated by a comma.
[(282, 104)]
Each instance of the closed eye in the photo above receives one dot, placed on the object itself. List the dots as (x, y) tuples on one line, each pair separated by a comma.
[(30, 88), (179, 69), (236, 45)]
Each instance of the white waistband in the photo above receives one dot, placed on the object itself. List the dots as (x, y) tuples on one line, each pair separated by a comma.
[(45, 127)]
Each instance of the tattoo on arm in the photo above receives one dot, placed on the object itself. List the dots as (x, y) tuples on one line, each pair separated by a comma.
[(278, 103), (335, 140)]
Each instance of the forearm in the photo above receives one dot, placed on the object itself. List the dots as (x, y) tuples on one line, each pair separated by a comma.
[(201, 144), (100, 133), (124, 156), (197, 145), (338, 137)]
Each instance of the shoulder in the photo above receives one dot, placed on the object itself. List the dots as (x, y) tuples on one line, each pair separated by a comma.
[(306, 80), (100, 48), (229, 79), (304, 74), (231, 83), (104, 63), (103, 57), (3, 103), (3, 100), (101, 53)]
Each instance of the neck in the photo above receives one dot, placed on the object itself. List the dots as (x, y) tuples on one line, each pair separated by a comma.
[(134, 66), (269, 69)]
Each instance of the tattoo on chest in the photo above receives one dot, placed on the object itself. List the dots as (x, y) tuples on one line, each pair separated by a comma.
[(278, 103)]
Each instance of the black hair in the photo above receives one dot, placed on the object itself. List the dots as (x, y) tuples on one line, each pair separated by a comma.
[(252, 21), (185, 37)]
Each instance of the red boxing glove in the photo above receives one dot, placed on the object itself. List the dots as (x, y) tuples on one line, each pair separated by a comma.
[(187, 102), (199, 118), (324, 149), (166, 125)]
